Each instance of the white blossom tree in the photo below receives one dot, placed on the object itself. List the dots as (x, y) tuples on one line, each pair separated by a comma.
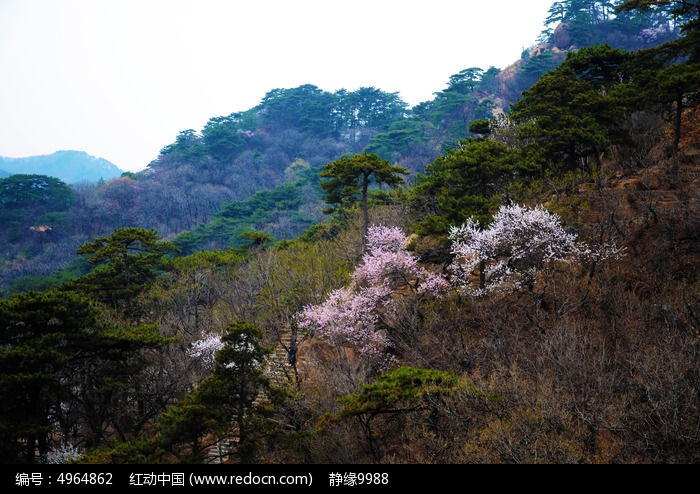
[(62, 453), (205, 349), (518, 242)]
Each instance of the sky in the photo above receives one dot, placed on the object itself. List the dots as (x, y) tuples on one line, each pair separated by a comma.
[(119, 79)]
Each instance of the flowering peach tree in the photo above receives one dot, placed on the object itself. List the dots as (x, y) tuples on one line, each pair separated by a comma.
[(360, 314), (518, 242)]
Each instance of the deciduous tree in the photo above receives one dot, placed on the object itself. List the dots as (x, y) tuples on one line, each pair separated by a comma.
[(359, 314), (514, 246)]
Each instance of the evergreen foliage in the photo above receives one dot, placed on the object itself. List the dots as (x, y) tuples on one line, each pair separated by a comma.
[(492, 333), (126, 262)]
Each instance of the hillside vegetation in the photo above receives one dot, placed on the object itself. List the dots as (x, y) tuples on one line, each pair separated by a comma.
[(236, 155), (527, 294)]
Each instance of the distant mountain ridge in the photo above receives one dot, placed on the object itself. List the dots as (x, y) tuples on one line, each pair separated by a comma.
[(69, 166)]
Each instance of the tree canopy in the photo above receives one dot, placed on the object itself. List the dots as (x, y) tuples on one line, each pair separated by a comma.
[(62, 369), (127, 261), (351, 176)]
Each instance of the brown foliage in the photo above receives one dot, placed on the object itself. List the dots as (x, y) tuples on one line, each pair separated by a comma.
[(594, 364)]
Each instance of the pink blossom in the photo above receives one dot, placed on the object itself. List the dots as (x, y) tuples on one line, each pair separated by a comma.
[(358, 314), (386, 239)]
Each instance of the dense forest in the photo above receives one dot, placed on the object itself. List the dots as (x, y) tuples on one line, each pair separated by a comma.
[(504, 274)]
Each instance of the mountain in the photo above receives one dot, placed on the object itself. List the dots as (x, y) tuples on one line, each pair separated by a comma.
[(4, 174), (239, 172), (69, 166), (531, 297)]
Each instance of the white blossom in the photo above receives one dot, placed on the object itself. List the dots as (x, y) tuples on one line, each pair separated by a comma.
[(205, 349), (61, 454), (518, 242)]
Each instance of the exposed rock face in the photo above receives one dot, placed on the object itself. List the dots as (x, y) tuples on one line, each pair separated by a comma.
[(561, 38)]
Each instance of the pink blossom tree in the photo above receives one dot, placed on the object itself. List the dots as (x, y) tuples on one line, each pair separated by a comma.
[(360, 314), (387, 263)]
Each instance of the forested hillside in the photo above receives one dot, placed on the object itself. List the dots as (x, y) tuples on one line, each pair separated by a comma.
[(234, 156), (504, 274)]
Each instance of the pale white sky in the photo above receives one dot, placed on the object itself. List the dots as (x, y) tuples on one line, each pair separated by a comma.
[(120, 79)]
